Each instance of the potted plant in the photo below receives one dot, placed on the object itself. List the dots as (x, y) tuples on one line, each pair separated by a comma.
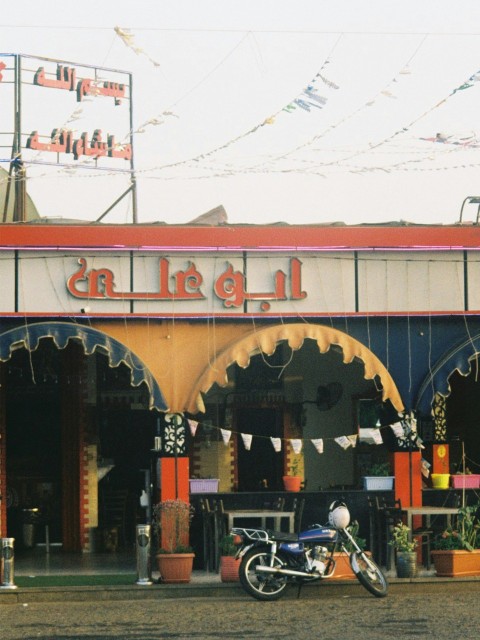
[(378, 478), (293, 481), (171, 523), (343, 570), (228, 563), (405, 551), (457, 549)]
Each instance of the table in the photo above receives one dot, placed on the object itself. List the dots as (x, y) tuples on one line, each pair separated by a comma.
[(262, 515), (428, 512)]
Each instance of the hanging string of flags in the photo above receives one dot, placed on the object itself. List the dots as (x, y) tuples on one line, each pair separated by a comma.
[(405, 431), (129, 41), (309, 98)]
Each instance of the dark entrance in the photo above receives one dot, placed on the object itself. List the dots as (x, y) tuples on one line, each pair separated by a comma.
[(261, 467)]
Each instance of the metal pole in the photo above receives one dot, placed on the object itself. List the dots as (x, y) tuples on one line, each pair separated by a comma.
[(7, 578), (144, 572)]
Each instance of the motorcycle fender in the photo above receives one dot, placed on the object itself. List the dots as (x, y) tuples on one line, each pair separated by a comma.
[(242, 551), (354, 564)]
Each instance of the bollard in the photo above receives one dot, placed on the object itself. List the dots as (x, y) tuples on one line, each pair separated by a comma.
[(7, 578), (143, 555)]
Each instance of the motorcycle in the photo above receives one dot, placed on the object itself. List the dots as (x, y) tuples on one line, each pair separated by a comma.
[(270, 560)]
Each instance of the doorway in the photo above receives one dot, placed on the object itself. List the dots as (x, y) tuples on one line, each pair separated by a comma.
[(261, 467)]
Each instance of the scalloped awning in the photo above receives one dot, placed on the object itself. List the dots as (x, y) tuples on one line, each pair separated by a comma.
[(29, 336), (266, 340), (438, 379)]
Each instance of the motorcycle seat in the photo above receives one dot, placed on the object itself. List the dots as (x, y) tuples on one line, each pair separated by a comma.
[(281, 536)]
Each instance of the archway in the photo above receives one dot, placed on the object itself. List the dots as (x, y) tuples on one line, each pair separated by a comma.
[(265, 341), (75, 414), (285, 383)]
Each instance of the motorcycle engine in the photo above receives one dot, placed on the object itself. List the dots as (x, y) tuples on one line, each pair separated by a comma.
[(319, 556)]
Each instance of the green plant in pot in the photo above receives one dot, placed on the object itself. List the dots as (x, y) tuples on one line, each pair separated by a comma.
[(171, 525), (405, 548), (457, 549), (293, 481), (229, 564), (379, 470)]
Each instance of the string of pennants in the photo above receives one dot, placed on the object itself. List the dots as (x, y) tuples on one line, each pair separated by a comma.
[(405, 431)]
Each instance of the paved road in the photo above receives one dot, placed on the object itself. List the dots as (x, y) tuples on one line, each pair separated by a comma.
[(415, 612)]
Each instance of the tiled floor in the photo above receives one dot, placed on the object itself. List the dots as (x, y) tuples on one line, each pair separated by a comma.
[(57, 562)]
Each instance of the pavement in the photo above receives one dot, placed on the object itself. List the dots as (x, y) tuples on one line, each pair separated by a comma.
[(208, 585)]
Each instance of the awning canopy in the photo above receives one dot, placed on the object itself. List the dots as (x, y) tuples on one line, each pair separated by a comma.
[(29, 336), (438, 379), (265, 340)]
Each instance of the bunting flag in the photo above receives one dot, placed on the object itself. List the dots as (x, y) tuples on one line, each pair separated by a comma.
[(277, 444), (343, 441), (193, 427), (128, 40), (296, 445), (318, 444), (398, 429), (425, 468), (353, 440), (226, 433), (247, 440)]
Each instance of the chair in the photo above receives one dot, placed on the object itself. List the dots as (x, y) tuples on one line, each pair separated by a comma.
[(208, 534), (219, 529), (114, 512), (298, 505), (388, 515)]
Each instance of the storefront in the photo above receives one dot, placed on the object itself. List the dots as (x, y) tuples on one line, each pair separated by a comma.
[(137, 356)]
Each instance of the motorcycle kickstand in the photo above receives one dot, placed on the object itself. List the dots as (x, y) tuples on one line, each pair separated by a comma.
[(300, 584)]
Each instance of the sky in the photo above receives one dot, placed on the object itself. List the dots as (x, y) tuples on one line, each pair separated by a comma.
[(314, 111)]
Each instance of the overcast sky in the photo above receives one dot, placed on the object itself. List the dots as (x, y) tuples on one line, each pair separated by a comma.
[(301, 112)]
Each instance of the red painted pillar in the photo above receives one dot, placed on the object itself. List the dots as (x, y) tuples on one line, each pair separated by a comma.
[(408, 477), (174, 478)]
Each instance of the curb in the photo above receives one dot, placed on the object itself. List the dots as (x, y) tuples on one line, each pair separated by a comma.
[(344, 588)]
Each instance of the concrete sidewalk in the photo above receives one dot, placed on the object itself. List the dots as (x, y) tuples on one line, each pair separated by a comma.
[(209, 585)]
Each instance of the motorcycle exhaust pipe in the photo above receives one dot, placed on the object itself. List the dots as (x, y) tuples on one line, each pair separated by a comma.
[(286, 572)]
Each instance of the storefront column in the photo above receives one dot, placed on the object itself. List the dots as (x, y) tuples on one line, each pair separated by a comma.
[(3, 456), (173, 469), (408, 477)]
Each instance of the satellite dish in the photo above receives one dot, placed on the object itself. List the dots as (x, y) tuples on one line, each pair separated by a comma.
[(328, 395)]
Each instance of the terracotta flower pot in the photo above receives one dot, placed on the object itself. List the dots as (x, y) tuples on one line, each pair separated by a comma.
[(229, 569), (456, 562), (292, 483), (175, 567)]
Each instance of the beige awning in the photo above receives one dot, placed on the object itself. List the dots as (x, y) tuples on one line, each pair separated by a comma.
[(265, 340)]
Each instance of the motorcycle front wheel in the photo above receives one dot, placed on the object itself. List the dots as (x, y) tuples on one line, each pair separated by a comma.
[(369, 574), (262, 586)]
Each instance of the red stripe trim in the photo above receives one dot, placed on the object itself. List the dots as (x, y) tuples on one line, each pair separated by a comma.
[(260, 238)]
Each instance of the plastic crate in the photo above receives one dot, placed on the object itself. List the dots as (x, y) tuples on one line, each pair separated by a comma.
[(204, 486), (378, 483), (470, 481)]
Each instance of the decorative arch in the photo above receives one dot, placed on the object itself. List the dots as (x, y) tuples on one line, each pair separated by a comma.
[(29, 336), (459, 359), (265, 340)]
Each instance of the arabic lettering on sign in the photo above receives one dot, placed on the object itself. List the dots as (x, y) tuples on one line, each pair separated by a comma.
[(66, 78), (229, 286), (61, 141)]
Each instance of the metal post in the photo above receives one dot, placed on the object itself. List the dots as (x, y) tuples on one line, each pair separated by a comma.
[(144, 573), (7, 578)]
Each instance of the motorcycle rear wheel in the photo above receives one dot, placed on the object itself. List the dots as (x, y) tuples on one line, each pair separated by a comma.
[(262, 586), (369, 574)]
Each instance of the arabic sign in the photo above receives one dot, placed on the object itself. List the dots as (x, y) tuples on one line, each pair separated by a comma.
[(235, 284), (57, 124)]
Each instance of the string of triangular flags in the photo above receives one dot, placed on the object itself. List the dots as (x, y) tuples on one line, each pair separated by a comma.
[(405, 430)]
